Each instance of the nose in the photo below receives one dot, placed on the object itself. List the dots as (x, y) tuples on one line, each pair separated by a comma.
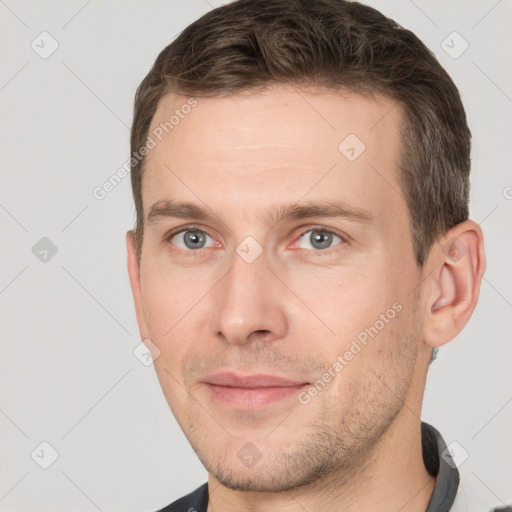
[(249, 304)]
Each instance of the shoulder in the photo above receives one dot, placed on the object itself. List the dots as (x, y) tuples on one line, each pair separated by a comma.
[(196, 501), (458, 487), (475, 496)]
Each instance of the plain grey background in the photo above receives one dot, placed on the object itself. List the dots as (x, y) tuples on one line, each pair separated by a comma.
[(69, 376)]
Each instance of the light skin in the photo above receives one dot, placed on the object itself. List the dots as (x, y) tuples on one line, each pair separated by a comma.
[(292, 311)]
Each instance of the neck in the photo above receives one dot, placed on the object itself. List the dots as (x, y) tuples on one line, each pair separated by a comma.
[(392, 477)]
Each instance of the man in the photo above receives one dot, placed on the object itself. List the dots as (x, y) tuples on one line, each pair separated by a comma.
[(302, 247)]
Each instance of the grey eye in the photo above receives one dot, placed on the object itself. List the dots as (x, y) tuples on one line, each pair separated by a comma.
[(319, 239), (192, 239)]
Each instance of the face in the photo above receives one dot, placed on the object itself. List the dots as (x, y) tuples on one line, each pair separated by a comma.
[(282, 295)]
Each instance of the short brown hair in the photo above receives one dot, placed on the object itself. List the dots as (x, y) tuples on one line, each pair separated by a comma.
[(338, 44)]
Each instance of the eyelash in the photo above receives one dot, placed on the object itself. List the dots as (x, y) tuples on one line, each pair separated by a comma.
[(318, 252), (325, 252)]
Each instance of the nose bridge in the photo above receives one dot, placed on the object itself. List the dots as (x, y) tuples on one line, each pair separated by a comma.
[(247, 301)]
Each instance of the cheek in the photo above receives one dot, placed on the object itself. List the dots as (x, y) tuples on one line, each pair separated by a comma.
[(373, 368), (169, 294), (166, 303), (176, 306), (361, 324), (161, 304), (345, 300)]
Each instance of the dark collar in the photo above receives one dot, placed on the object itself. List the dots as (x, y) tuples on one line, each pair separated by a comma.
[(438, 463)]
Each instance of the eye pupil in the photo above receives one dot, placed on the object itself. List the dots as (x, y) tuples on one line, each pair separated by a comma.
[(194, 239), (320, 239)]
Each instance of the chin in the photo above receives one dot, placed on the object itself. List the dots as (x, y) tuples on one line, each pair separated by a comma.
[(275, 473), (265, 481)]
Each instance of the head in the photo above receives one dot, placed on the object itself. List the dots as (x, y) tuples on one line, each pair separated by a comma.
[(302, 212)]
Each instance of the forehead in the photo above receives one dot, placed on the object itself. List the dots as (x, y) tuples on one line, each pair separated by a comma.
[(240, 147)]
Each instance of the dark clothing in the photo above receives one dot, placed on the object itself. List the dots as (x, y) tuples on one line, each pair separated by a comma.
[(195, 501), (438, 465)]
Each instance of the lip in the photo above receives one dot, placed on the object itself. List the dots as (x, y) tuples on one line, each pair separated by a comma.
[(251, 392)]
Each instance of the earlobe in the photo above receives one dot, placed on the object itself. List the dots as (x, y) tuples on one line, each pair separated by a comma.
[(454, 286), (135, 283)]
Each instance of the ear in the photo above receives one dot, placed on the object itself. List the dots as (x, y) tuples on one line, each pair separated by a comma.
[(451, 290), (134, 275)]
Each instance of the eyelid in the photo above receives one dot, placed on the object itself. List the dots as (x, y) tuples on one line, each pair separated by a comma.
[(189, 227), (344, 237), (195, 227)]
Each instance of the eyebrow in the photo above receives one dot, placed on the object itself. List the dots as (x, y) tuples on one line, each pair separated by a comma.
[(276, 213)]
